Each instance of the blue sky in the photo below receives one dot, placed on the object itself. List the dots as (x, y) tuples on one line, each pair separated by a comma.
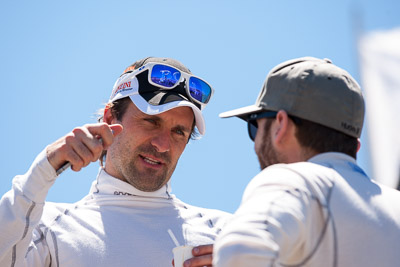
[(60, 59)]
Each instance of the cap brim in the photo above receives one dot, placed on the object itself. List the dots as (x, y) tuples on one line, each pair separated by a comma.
[(241, 113), (163, 106)]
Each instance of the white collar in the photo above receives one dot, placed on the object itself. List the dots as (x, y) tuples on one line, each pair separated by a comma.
[(106, 184), (331, 156)]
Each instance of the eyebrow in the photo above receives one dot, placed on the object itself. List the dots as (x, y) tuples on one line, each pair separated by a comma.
[(179, 126)]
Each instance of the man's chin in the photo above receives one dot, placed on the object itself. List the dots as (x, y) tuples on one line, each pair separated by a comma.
[(148, 183)]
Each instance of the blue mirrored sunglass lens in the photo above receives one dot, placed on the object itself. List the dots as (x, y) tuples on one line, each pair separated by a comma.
[(199, 90), (165, 75)]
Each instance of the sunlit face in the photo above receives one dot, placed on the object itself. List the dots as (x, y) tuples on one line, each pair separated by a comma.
[(265, 151), (146, 153)]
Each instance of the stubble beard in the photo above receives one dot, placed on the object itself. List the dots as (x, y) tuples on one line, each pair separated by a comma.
[(268, 156), (147, 180)]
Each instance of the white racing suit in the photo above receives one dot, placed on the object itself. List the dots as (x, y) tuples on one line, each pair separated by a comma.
[(325, 212), (114, 225)]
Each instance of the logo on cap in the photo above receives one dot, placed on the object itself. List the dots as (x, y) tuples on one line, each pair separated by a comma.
[(350, 128), (123, 87)]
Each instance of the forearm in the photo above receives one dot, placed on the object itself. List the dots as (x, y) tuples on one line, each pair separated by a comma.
[(21, 209), (245, 241)]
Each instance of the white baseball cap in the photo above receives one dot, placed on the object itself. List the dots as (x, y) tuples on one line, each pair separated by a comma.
[(151, 99)]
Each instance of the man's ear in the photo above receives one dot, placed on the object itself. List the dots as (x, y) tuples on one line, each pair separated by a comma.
[(108, 116), (281, 128)]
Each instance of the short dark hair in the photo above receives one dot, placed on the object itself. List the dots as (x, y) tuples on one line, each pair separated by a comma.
[(322, 139), (119, 107)]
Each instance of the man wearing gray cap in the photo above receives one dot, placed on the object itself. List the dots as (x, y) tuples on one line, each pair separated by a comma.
[(126, 218), (311, 205)]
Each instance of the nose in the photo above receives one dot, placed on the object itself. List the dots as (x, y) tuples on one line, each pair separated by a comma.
[(161, 141)]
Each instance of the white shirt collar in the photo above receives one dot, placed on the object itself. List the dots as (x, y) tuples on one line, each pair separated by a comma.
[(331, 156), (108, 185)]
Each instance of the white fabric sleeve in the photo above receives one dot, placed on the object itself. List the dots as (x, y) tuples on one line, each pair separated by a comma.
[(269, 223), (20, 212)]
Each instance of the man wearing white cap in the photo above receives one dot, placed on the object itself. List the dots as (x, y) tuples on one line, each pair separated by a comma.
[(311, 205), (152, 113)]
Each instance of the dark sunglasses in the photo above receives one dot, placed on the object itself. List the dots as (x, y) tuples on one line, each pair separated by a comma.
[(252, 125)]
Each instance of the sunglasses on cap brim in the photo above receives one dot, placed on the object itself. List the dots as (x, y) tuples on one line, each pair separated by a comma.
[(167, 77), (252, 125)]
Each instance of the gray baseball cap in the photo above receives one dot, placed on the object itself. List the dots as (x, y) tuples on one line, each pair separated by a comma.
[(312, 89)]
